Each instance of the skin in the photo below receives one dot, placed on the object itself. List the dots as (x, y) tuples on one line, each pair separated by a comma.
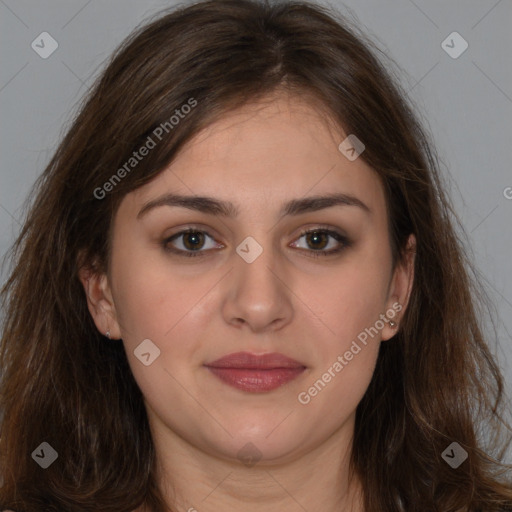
[(201, 308)]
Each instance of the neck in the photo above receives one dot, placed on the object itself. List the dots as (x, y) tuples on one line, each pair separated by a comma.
[(195, 481)]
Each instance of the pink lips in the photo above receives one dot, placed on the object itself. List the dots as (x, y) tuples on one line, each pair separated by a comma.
[(256, 373)]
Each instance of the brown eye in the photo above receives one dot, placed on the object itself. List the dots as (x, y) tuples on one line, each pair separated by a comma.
[(193, 240), (318, 240), (190, 242)]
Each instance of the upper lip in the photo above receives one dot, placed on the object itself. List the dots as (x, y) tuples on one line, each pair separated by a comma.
[(249, 361)]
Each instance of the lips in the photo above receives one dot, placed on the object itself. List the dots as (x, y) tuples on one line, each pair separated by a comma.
[(255, 373)]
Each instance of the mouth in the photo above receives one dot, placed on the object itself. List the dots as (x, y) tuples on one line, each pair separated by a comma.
[(255, 373)]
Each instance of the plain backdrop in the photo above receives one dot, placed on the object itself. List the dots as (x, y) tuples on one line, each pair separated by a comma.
[(465, 102)]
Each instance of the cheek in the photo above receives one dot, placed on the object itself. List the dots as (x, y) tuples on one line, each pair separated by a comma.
[(332, 396), (350, 305), (349, 299), (172, 311), (155, 302), (348, 343), (150, 295)]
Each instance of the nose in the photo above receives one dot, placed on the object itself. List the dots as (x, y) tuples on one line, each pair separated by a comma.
[(258, 296)]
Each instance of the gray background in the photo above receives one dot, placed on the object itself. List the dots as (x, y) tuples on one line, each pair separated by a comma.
[(465, 102)]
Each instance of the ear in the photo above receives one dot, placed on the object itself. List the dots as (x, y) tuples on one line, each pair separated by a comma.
[(400, 289), (100, 301)]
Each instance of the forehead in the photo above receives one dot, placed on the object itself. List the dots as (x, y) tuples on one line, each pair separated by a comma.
[(265, 153), (280, 130)]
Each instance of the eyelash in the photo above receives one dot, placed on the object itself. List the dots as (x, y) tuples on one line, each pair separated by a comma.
[(343, 240)]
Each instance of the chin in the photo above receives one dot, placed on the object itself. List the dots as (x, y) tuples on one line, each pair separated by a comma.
[(251, 449)]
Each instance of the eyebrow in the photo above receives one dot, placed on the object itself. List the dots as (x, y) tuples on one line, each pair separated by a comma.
[(212, 206)]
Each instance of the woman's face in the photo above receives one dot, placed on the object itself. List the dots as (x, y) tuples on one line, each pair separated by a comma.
[(255, 285)]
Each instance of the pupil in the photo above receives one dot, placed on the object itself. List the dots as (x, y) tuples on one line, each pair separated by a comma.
[(196, 239), (316, 237)]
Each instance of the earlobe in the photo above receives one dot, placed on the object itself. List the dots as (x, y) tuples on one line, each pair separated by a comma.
[(100, 302), (392, 318), (400, 289)]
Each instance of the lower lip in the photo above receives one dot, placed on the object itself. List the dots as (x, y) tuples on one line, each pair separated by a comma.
[(256, 381)]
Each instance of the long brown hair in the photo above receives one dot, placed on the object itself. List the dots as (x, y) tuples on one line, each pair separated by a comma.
[(65, 384)]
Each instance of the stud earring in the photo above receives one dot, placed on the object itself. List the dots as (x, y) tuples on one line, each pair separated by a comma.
[(392, 324), (107, 334)]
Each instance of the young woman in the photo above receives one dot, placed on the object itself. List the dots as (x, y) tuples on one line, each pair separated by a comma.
[(238, 287)]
